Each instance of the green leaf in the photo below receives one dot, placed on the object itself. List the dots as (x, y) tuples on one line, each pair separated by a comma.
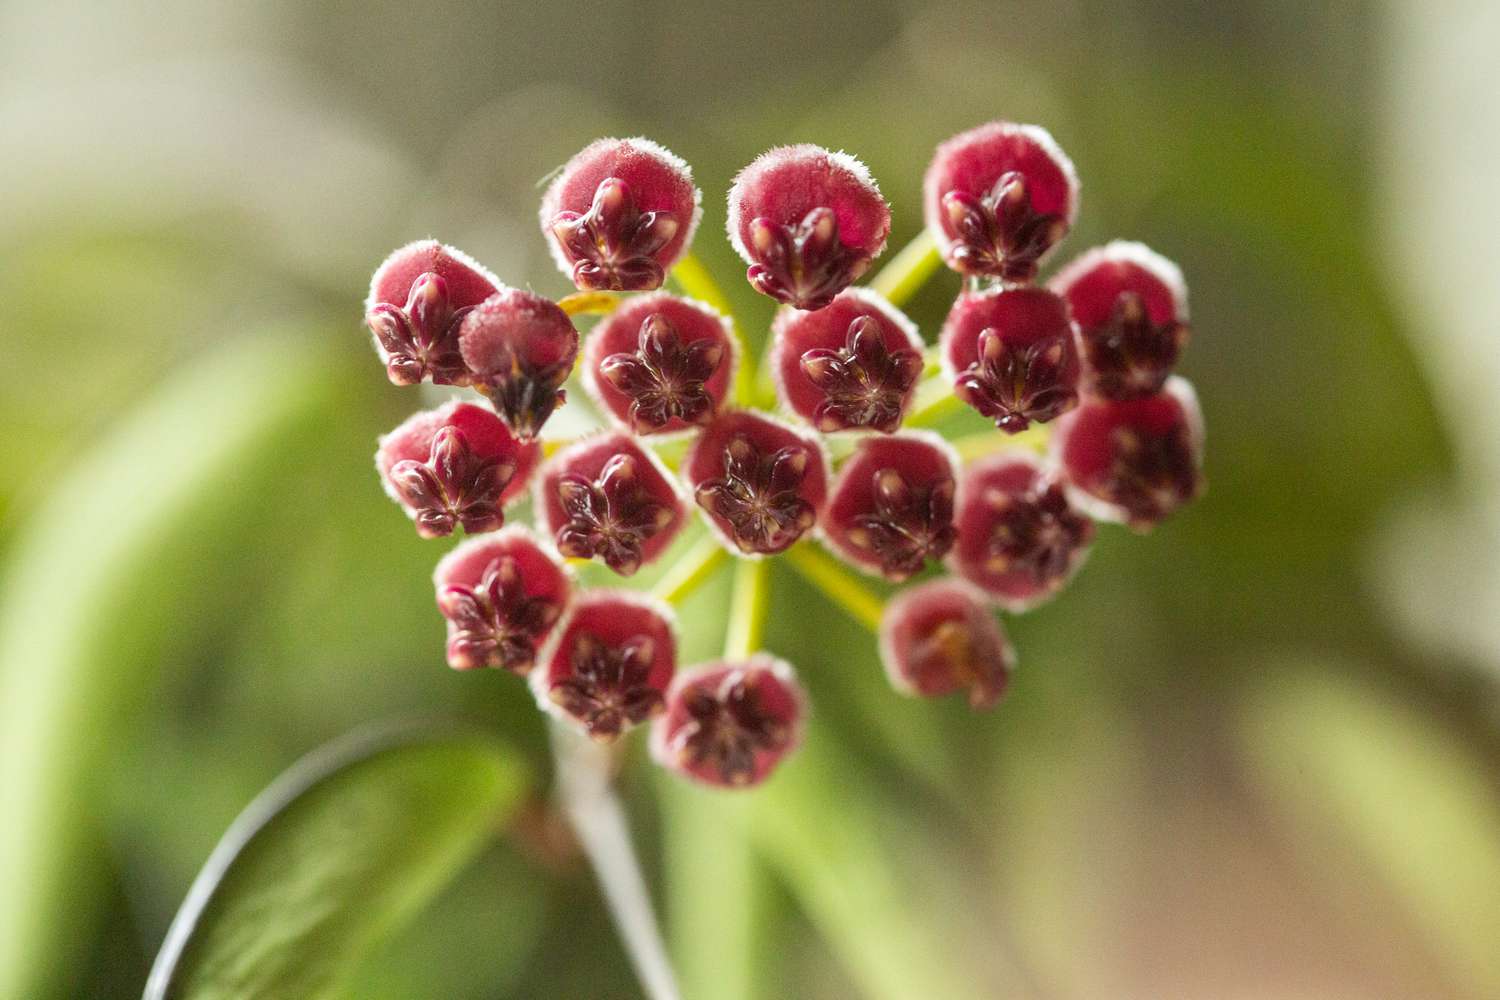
[(329, 860), (117, 570), (1347, 765)]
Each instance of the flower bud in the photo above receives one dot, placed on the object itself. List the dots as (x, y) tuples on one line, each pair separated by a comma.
[(939, 637), (660, 363), (501, 595), (1012, 356), (852, 364), (619, 214), (418, 298), (998, 198), (609, 663), (1019, 537), (520, 347), (760, 483), (729, 724), (608, 498), (808, 222), (1130, 305), (1134, 461), (454, 465), (890, 510)]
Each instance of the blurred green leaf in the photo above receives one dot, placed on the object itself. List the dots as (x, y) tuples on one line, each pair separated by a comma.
[(330, 859), (121, 564), (1345, 763)]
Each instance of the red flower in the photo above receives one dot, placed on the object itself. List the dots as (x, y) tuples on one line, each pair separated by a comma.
[(808, 222), (852, 364), (1135, 461), (454, 465), (730, 724), (660, 363), (998, 198), (620, 214), (609, 663), (418, 298), (939, 637), (1012, 356), (760, 483), (1130, 305), (891, 508), (609, 498), (520, 347), (1019, 537), (501, 595)]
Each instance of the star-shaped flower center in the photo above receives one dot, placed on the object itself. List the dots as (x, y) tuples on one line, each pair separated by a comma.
[(454, 486), (1014, 385), (496, 623), (1129, 355), (1152, 474), (908, 526), (999, 235), (727, 727), (664, 377), (609, 688), (420, 340), (804, 264), (865, 385), (1037, 533), (611, 517), (757, 496), (612, 245)]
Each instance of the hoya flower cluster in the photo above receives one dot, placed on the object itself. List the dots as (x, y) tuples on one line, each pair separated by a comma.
[(1092, 351)]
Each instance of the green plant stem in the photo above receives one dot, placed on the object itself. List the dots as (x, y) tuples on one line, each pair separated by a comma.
[(747, 608), (936, 408), (909, 270), (691, 571), (837, 584), (975, 446), (585, 788)]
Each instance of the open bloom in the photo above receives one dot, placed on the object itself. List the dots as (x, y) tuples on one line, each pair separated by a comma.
[(730, 724), (501, 594), (851, 365)]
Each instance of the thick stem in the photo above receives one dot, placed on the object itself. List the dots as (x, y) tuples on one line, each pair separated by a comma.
[(747, 609), (935, 403), (584, 786), (691, 571), (837, 584), (909, 270)]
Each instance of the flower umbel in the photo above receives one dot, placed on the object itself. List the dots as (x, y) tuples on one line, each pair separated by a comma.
[(1084, 362)]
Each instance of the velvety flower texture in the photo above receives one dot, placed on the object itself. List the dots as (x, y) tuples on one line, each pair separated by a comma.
[(620, 214), (808, 222), (730, 724), (848, 456)]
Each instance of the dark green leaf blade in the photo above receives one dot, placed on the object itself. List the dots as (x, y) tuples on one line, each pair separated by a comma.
[(329, 859)]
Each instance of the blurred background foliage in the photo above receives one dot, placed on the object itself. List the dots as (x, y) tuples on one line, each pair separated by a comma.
[(1254, 755)]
